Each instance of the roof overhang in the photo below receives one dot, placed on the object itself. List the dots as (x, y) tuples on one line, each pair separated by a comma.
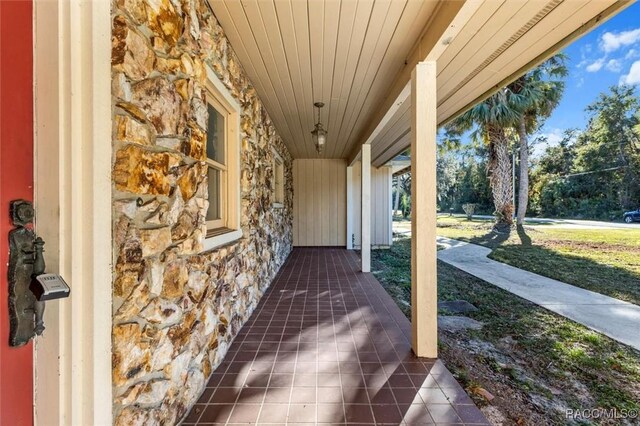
[(357, 57), (495, 43)]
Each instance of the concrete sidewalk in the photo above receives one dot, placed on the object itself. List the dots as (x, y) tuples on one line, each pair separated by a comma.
[(612, 317)]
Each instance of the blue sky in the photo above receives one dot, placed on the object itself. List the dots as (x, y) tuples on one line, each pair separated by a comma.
[(606, 56)]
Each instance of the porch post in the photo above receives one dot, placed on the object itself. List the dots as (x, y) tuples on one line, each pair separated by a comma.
[(349, 207), (72, 194), (366, 209), (424, 285)]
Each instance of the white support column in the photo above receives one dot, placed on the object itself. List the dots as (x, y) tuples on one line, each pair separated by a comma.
[(366, 209), (390, 210), (72, 73), (350, 208), (424, 279)]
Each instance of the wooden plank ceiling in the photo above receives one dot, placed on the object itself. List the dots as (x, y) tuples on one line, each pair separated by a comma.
[(353, 54), (344, 53)]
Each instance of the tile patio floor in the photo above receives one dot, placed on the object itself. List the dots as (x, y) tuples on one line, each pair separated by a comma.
[(328, 345)]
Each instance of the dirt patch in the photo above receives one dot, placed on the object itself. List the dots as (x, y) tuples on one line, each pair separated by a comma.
[(510, 405), (590, 245), (534, 363)]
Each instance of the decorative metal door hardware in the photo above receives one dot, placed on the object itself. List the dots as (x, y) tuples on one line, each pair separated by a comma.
[(29, 286)]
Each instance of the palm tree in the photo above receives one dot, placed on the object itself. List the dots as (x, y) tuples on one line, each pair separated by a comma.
[(542, 89), (518, 108), (491, 120)]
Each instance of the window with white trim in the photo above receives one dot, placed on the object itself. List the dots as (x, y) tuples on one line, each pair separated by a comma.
[(216, 165), (278, 180), (223, 164)]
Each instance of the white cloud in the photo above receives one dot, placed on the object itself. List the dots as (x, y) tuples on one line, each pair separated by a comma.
[(596, 66), (631, 54), (633, 77), (554, 137), (610, 42), (545, 140), (614, 65), (585, 51)]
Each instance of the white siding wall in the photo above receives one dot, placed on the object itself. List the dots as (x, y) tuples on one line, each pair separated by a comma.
[(380, 205), (319, 202)]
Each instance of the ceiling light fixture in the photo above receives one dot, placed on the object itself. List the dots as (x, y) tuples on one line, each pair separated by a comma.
[(319, 134)]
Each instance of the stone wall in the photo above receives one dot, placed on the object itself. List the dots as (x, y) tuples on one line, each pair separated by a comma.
[(176, 309)]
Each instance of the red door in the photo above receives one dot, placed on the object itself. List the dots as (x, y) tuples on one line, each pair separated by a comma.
[(16, 181)]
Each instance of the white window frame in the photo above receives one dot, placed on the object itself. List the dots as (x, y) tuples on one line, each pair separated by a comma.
[(278, 193), (227, 229)]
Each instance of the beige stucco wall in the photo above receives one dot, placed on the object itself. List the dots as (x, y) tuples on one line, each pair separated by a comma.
[(176, 309)]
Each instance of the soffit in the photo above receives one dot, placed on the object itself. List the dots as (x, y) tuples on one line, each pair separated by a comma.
[(344, 53), (501, 40)]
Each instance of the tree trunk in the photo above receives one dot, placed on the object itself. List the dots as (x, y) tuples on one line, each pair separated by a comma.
[(397, 200), (523, 187), (499, 169)]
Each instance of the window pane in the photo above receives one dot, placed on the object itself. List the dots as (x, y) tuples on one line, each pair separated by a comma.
[(214, 195), (215, 136), (279, 182)]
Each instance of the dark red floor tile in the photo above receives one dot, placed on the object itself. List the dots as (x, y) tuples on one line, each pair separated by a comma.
[(433, 396), (206, 395), (273, 413), (337, 336), (406, 396), (358, 413), (299, 413), (303, 395), (328, 380), (416, 414), (277, 395), (352, 380), (251, 396), (245, 413), (306, 380), (195, 414), (225, 396), (281, 380), (443, 413), (386, 414), (331, 413), (329, 395), (216, 413)]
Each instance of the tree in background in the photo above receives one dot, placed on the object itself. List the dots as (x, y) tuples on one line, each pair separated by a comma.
[(448, 169), (594, 173), (541, 90), (402, 194), (549, 189), (591, 173), (607, 155), (396, 195), (462, 178)]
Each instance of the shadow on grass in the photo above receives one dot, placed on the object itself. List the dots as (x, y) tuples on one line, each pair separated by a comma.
[(495, 238), (525, 239), (492, 239), (608, 277), (582, 272)]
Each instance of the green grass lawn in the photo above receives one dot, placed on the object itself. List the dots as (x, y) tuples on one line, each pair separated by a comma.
[(536, 363), (606, 261)]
